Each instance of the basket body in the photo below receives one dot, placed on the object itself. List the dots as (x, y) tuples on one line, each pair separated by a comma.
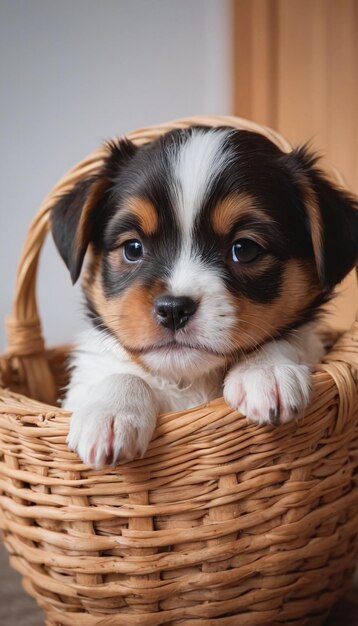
[(222, 523)]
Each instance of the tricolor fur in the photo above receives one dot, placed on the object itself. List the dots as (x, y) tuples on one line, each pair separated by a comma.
[(210, 255)]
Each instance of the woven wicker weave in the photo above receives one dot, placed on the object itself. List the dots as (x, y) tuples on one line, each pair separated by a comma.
[(222, 523)]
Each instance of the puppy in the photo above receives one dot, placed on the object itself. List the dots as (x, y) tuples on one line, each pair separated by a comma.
[(210, 253)]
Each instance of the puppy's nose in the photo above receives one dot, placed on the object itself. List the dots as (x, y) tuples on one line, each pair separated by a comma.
[(173, 312)]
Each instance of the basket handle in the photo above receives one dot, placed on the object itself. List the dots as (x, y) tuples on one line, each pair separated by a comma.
[(25, 342), (23, 325)]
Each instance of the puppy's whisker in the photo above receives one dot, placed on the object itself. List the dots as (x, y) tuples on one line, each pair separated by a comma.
[(261, 328), (265, 329), (114, 316)]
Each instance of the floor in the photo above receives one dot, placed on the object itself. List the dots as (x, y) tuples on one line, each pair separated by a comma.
[(19, 609)]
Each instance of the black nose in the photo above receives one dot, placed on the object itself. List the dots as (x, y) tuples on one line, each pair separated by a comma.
[(174, 312)]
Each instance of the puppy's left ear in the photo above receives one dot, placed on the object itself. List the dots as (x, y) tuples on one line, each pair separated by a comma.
[(332, 218)]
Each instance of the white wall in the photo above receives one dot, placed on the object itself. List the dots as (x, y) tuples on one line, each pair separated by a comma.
[(75, 72)]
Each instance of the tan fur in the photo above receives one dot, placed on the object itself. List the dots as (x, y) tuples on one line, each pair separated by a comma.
[(227, 212), (85, 224), (315, 220), (129, 315), (257, 322), (146, 213)]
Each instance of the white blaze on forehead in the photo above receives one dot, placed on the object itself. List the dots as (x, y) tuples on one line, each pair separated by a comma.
[(196, 164)]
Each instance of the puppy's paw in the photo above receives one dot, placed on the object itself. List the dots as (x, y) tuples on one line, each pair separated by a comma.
[(268, 394), (103, 437), (115, 423)]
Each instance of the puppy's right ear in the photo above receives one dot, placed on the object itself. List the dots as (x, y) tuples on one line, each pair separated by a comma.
[(78, 214), (332, 218)]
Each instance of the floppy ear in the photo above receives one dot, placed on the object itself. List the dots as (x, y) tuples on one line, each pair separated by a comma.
[(332, 219), (76, 216)]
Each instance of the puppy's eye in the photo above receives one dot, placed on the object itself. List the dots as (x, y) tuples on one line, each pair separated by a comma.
[(245, 251), (133, 250)]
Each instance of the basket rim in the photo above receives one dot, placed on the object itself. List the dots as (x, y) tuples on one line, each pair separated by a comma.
[(48, 415)]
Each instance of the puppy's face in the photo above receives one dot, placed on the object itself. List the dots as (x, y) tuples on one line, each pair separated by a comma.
[(205, 244)]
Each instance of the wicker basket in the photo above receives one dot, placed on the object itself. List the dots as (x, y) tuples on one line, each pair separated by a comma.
[(222, 523)]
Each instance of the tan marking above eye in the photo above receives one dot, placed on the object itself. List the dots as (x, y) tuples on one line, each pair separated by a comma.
[(233, 208), (145, 212)]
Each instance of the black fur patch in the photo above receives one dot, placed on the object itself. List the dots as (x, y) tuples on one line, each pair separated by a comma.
[(65, 218)]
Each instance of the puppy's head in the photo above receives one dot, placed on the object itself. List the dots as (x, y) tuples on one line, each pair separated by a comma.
[(205, 244)]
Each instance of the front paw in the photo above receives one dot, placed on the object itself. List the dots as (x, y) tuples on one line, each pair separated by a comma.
[(268, 395), (114, 424), (101, 437)]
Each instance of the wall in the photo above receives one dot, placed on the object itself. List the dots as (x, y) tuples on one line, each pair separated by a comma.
[(76, 72)]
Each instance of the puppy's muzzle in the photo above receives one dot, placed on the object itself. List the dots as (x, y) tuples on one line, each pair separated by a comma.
[(172, 312)]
